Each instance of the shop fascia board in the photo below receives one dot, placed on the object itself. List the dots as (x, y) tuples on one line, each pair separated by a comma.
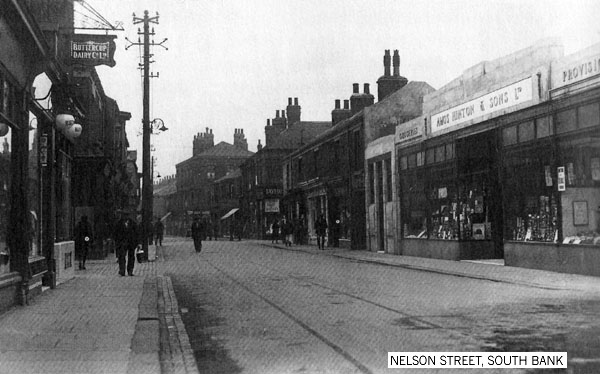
[(539, 82)]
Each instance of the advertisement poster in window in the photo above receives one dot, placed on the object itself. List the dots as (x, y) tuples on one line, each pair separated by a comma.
[(580, 213), (272, 206)]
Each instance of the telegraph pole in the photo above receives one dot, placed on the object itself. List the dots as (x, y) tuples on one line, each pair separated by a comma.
[(146, 130)]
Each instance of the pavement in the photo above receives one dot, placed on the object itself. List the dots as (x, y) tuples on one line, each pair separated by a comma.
[(100, 322)]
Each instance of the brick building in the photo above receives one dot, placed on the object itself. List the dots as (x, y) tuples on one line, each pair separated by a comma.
[(196, 175)]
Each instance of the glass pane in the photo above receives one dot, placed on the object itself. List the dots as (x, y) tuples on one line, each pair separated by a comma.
[(543, 127), (429, 155), (526, 131), (509, 135), (566, 121), (589, 115), (440, 154)]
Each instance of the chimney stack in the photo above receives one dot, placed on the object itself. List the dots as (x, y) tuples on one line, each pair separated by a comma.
[(239, 140), (359, 101), (338, 114), (293, 111), (388, 84)]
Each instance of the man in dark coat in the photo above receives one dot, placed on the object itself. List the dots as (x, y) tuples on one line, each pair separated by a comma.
[(83, 240), (127, 239), (159, 229), (198, 233), (321, 228)]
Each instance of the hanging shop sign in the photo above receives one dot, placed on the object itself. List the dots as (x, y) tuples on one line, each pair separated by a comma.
[(272, 206), (92, 50), (496, 101), (576, 68), (561, 181)]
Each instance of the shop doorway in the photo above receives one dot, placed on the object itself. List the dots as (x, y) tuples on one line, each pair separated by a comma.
[(480, 195)]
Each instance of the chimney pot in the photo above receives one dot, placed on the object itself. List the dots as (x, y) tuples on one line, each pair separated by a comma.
[(337, 104), (355, 88), (386, 63), (283, 114), (277, 114), (367, 89), (289, 101), (268, 122), (295, 101), (347, 104), (396, 63)]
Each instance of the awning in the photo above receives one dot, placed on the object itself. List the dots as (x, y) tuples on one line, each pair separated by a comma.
[(230, 213)]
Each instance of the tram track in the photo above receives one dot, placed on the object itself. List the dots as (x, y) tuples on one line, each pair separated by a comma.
[(299, 280)]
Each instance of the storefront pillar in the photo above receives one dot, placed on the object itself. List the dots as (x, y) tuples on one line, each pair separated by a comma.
[(47, 162), (19, 228)]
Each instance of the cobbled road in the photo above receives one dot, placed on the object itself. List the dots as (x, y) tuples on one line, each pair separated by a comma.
[(250, 307)]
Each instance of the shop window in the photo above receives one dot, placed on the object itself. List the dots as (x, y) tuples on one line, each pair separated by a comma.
[(566, 121), (420, 158), (509, 135), (403, 163), (388, 178), (526, 131), (440, 153), (543, 127), (412, 161), (450, 151), (414, 205), (588, 115), (530, 201), (371, 177)]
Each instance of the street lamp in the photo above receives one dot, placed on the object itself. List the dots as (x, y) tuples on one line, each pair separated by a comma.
[(157, 124)]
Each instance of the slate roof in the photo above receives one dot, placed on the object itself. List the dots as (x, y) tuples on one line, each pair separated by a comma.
[(224, 149), (299, 134), (165, 188), (232, 175)]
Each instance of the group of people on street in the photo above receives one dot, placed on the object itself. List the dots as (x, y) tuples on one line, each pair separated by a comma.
[(290, 233), (127, 238), (283, 230)]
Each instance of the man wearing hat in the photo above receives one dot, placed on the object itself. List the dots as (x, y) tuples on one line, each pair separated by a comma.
[(127, 239)]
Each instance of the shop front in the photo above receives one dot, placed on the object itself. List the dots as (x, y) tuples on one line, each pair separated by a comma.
[(457, 194), (552, 174), (450, 198)]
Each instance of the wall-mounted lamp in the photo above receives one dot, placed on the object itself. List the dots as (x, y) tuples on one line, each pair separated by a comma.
[(73, 131), (3, 129), (31, 125), (64, 120)]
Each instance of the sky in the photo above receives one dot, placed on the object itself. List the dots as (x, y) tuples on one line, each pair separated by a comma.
[(232, 64)]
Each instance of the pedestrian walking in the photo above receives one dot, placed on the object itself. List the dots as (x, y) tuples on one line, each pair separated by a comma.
[(335, 232), (275, 231), (287, 230), (159, 229), (83, 240), (321, 228), (300, 231), (127, 239), (198, 233)]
